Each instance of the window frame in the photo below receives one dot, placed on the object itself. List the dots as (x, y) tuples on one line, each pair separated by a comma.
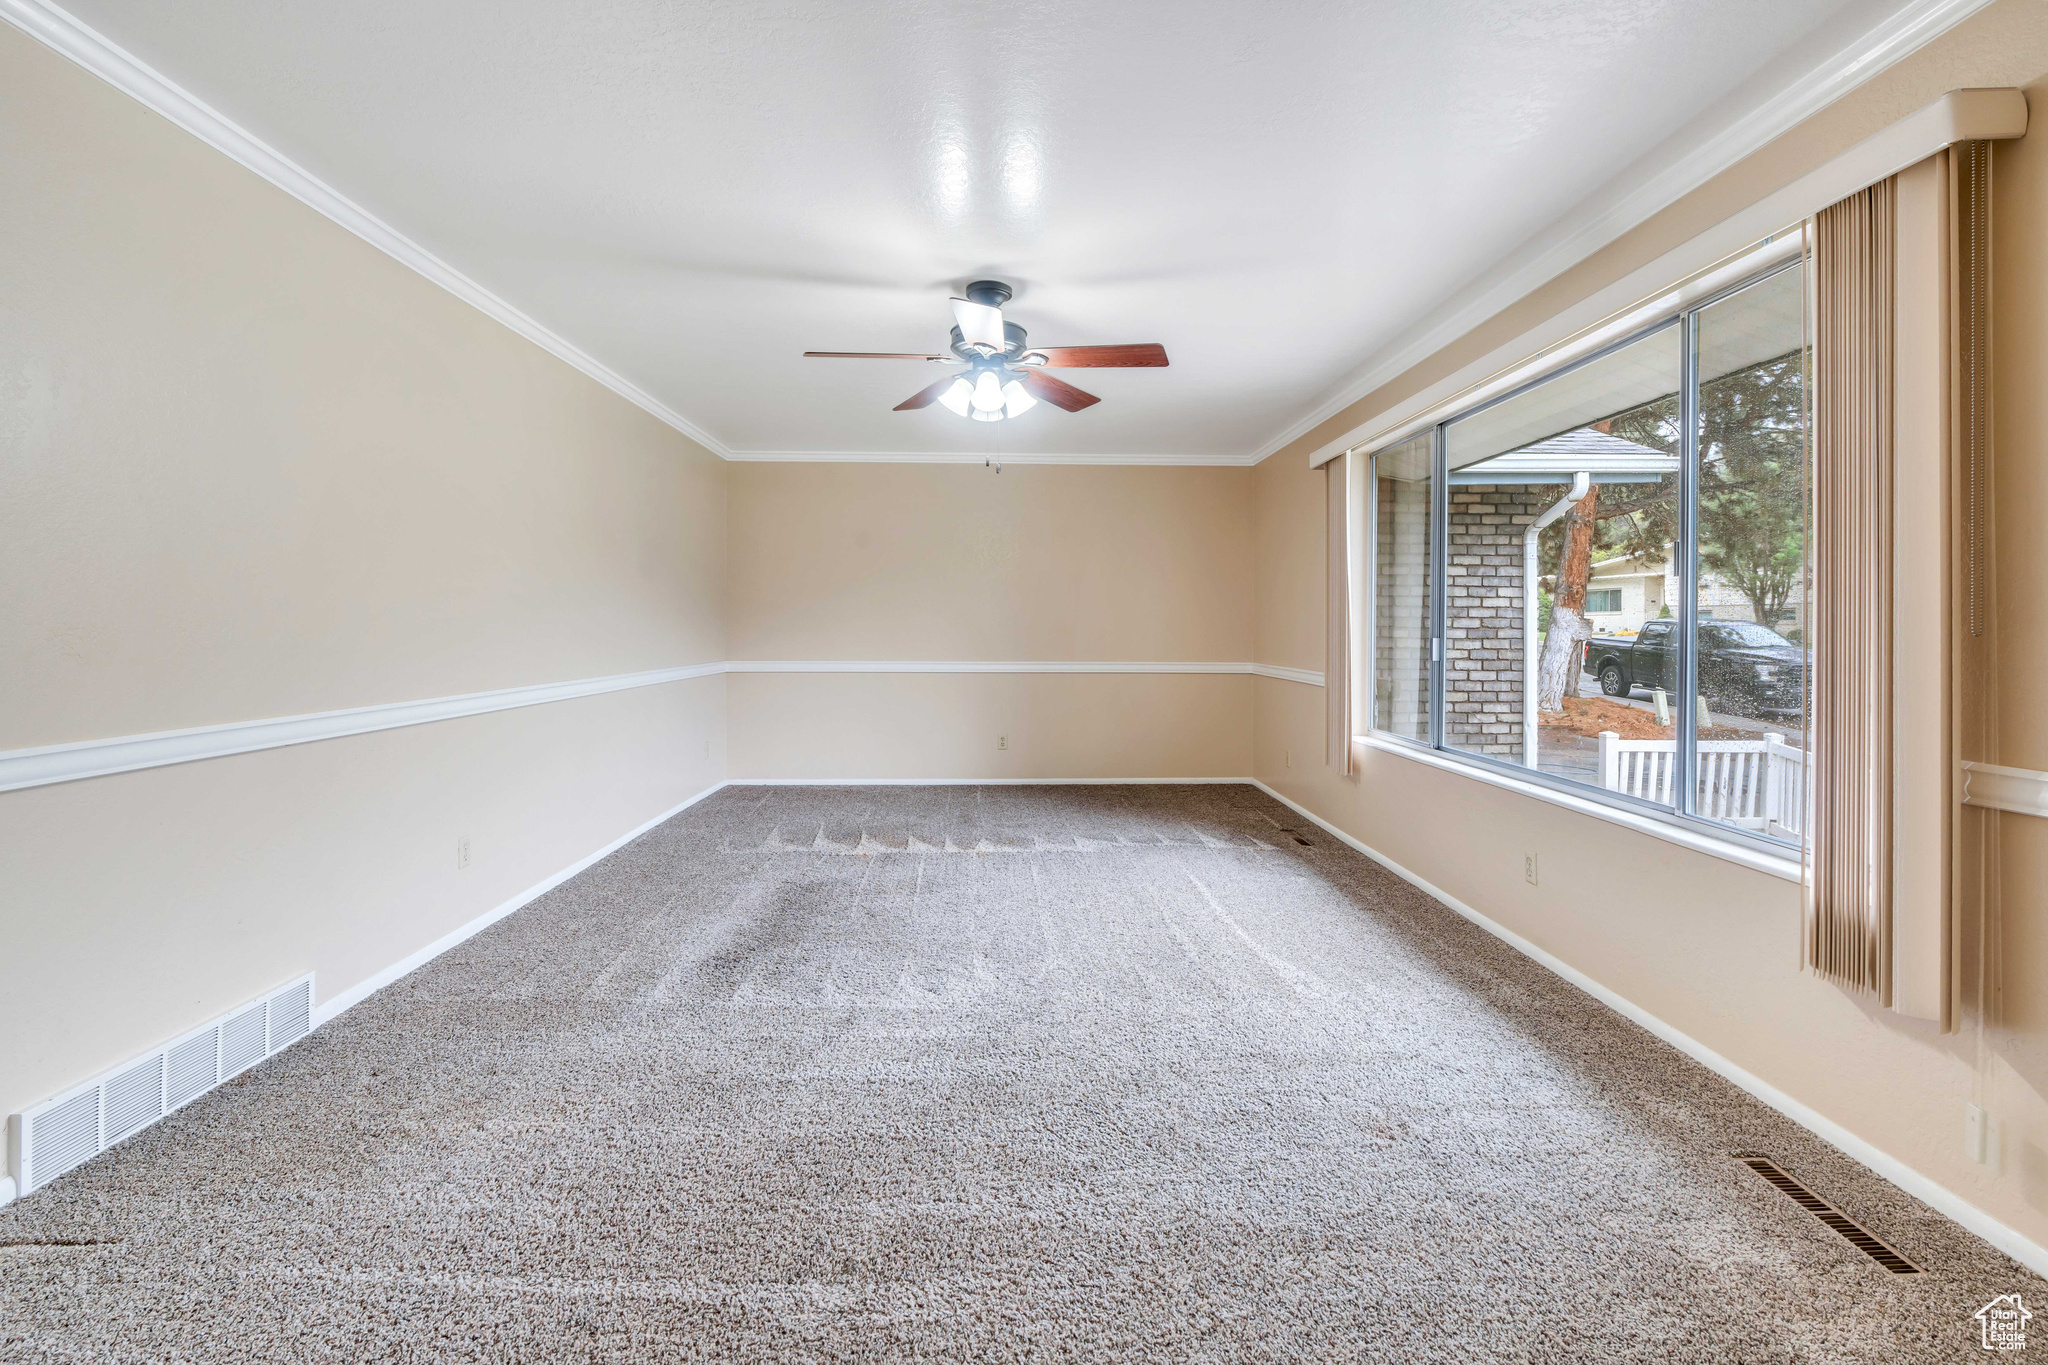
[(1364, 545)]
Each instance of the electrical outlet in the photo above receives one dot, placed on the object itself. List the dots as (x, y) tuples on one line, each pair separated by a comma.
[(1529, 868), (462, 853), (1002, 741), (1288, 754), (707, 748), (1981, 1136)]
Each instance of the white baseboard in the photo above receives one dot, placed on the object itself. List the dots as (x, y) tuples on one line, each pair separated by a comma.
[(2014, 1244), (1939, 1197), (988, 781), (328, 1009), (325, 1010)]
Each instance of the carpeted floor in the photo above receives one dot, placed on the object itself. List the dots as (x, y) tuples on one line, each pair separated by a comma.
[(965, 1074)]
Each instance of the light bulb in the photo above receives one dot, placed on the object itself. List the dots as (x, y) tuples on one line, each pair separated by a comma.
[(1017, 400), (988, 392), (955, 396), (980, 416)]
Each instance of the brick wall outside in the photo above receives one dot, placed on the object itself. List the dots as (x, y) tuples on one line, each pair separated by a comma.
[(1401, 612), (1483, 625)]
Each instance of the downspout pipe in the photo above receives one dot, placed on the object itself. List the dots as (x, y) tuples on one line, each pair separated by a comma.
[(1581, 482)]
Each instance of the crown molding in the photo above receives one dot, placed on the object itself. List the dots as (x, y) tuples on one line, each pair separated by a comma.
[(64, 34), (1598, 221), (68, 36), (1630, 201), (1751, 239)]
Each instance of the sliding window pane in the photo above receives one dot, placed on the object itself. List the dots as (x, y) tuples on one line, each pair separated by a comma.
[(1563, 510), (1752, 652), (1400, 568)]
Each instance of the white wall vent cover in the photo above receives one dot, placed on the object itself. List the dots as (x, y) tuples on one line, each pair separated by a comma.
[(59, 1134)]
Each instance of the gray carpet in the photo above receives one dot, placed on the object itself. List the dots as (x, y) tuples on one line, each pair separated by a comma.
[(1109, 1073)]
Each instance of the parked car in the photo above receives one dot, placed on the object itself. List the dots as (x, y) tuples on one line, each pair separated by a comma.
[(1744, 668)]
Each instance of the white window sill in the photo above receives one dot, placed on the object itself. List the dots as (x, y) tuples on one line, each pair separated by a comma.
[(1670, 831)]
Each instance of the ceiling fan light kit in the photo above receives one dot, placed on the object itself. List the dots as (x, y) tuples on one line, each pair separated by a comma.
[(1003, 378)]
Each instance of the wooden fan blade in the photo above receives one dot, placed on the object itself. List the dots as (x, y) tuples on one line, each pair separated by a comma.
[(926, 396), (1057, 392), (1144, 355), (875, 355)]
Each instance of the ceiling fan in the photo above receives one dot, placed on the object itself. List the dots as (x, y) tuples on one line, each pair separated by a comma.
[(1005, 373)]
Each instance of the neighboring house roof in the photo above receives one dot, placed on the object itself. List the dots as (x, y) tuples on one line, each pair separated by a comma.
[(1649, 564), (1609, 459), (1646, 565)]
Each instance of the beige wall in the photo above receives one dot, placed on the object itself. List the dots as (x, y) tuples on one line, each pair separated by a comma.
[(141, 905), (1709, 947), (2017, 1069), (949, 562), (947, 726), (255, 468), (251, 467)]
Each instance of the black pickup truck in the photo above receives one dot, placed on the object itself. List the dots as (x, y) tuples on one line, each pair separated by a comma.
[(1744, 668)]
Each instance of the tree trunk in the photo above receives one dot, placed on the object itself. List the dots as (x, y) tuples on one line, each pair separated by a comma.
[(1768, 604), (1567, 614)]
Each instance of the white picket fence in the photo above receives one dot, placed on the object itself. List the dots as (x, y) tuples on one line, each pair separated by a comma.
[(1757, 784)]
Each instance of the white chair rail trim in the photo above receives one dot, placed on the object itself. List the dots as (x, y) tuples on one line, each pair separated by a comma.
[(40, 767), (1307, 676), (1300, 675), (2021, 790), (128, 753)]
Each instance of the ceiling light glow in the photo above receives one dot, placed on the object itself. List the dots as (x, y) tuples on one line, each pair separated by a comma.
[(1017, 400), (955, 396), (1022, 172), (952, 177), (988, 393)]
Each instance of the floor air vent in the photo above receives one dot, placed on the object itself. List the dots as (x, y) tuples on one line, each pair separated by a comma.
[(60, 1134), (1858, 1236)]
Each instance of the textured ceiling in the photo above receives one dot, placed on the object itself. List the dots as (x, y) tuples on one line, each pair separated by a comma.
[(696, 193)]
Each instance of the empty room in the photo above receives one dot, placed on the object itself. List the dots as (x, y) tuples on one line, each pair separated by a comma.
[(782, 681)]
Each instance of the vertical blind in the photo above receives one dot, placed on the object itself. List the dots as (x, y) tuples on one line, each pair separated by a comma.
[(1900, 304), (1849, 896), (1337, 649)]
